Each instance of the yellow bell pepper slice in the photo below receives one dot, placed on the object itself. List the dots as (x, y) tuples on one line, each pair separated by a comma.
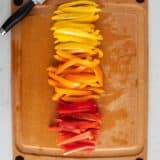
[(75, 47), (76, 17), (78, 32), (83, 26), (79, 99), (80, 9), (77, 61), (61, 38), (77, 3)]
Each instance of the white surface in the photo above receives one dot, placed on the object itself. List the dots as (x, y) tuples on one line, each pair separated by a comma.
[(154, 89)]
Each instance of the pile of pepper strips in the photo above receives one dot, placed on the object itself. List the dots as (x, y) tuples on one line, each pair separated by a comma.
[(78, 78)]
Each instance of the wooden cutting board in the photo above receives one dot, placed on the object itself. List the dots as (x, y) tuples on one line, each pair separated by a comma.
[(123, 24)]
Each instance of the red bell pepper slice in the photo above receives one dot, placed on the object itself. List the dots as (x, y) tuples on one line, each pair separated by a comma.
[(67, 108), (95, 117), (78, 146), (65, 139), (76, 126)]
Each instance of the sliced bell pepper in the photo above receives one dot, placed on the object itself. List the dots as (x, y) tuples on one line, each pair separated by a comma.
[(77, 61), (80, 9), (76, 126), (59, 58), (51, 69), (82, 78), (96, 90), (76, 47), (83, 136), (68, 108), (78, 146), (78, 3), (95, 117), (99, 74), (76, 17), (79, 99), (78, 33), (64, 82), (62, 38), (72, 92), (84, 26)]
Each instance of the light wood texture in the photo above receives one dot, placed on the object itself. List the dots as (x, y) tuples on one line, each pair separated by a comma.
[(123, 24)]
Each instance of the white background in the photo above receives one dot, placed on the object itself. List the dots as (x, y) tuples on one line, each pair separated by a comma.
[(154, 85)]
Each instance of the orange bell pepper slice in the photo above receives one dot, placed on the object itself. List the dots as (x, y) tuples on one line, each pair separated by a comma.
[(99, 74), (79, 99), (64, 82), (77, 61), (72, 92)]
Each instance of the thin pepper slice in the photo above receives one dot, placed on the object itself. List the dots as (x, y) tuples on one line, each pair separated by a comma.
[(84, 26), (76, 17), (95, 90), (83, 106), (59, 58), (78, 32), (78, 146), (63, 38), (77, 61), (77, 47), (83, 136), (77, 3), (74, 92), (79, 99), (82, 78), (96, 117), (99, 74), (63, 81), (80, 9), (76, 126)]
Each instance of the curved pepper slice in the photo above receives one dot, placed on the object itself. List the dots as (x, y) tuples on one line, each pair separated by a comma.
[(77, 61), (82, 78), (63, 81), (80, 9), (59, 58), (77, 3), (79, 69)]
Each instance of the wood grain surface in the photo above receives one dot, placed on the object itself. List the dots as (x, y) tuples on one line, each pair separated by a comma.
[(123, 24)]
